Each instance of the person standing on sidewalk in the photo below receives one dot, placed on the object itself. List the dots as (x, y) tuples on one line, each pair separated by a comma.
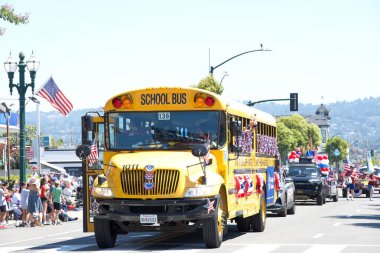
[(57, 200), (3, 206), (34, 202), (24, 203), (44, 191)]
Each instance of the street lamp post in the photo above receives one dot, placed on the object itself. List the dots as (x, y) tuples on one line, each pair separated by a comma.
[(211, 71), (11, 66)]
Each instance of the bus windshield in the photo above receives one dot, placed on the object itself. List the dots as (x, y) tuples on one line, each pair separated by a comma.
[(175, 130)]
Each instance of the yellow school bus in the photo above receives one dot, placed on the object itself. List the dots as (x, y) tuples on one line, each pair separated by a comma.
[(177, 159)]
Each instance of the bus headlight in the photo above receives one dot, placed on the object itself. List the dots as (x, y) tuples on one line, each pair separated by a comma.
[(199, 191), (102, 192)]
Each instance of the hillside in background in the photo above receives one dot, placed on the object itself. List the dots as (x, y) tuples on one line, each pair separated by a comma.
[(358, 121)]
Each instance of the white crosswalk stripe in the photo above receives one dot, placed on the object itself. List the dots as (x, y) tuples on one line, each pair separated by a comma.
[(262, 248), (189, 248), (325, 248)]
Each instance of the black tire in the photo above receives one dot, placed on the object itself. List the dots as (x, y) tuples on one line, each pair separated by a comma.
[(292, 210), (214, 227), (105, 235), (335, 197), (344, 192), (258, 220), (284, 212), (243, 224), (319, 199)]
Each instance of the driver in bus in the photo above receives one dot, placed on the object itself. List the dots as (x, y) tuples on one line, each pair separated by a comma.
[(138, 135)]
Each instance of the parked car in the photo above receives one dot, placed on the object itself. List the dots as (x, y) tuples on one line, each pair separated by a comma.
[(285, 203)]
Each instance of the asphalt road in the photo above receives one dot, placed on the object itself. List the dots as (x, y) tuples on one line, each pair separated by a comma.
[(343, 226)]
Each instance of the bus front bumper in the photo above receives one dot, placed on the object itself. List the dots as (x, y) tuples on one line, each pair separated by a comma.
[(167, 210)]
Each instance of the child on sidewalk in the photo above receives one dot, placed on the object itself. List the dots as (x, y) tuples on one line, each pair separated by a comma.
[(57, 201)]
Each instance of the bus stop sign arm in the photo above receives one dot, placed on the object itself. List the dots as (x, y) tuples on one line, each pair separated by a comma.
[(251, 51), (293, 101)]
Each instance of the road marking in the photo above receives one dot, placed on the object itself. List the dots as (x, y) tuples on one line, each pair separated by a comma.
[(262, 248), (337, 224), (39, 237), (69, 232), (325, 248), (63, 248), (318, 236), (189, 248)]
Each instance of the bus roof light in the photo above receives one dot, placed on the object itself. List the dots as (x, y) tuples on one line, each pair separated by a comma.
[(209, 101), (117, 102)]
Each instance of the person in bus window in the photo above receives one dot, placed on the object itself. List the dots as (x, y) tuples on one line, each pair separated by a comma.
[(138, 135)]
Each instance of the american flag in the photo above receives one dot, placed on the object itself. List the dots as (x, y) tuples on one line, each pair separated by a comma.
[(93, 157), (347, 164), (55, 97), (209, 206), (206, 158)]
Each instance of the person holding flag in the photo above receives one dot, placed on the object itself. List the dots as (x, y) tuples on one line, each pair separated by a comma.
[(348, 180), (370, 170)]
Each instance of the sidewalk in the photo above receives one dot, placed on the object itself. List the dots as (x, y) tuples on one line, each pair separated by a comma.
[(73, 214)]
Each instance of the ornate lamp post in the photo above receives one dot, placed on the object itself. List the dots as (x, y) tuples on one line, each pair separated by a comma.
[(10, 66)]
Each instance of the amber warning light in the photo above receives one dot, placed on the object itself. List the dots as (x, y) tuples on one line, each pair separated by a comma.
[(123, 101), (203, 100)]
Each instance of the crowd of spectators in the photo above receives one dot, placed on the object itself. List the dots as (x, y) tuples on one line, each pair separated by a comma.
[(41, 201)]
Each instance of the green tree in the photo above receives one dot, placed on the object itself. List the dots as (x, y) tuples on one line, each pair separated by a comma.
[(294, 131), (286, 139), (7, 13), (211, 84), (30, 134), (336, 143), (57, 143)]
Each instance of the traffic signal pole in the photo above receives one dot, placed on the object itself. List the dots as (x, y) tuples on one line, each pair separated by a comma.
[(293, 101)]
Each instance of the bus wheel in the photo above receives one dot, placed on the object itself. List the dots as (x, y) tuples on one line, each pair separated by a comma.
[(105, 235), (243, 224), (259, 219), (214, 227)]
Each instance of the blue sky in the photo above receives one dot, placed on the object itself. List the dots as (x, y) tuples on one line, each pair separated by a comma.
[(95, 49)]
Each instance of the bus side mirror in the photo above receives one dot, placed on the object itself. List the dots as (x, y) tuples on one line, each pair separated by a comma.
[(88, 123), (83, 151), (199, 150)]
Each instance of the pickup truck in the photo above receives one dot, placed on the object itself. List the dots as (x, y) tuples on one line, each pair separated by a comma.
[(309, 182)]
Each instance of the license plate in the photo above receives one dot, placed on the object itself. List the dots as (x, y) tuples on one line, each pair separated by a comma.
[(299, 191), (148, 218)]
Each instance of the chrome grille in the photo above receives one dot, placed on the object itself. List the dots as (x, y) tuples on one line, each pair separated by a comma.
[(165, 182)]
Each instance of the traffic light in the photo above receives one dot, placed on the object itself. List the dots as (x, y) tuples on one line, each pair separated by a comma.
[(293, 102), (372, 152)]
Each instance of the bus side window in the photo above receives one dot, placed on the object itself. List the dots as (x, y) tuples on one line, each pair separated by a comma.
[(222, 130)]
